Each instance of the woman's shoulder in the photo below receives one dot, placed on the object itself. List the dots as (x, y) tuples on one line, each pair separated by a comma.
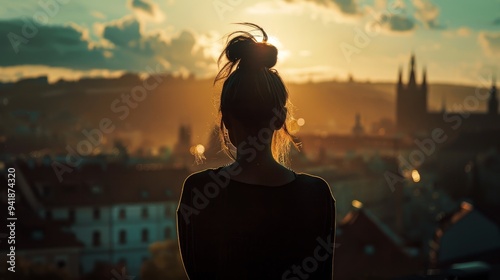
[(312, 179), (315, 183), (201, 176), (207, 176)]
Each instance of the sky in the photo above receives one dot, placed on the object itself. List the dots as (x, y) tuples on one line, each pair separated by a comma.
[(457, 41)]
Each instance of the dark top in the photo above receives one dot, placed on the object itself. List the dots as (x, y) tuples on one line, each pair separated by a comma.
[(234, 230)]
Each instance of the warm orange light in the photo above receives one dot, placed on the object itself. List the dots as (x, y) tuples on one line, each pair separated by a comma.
[(466, 206), (301, 121), (200, 149), (283, 54), (415, 176), (357, 204)]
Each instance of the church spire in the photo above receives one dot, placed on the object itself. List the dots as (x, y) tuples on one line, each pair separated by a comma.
[(493, 100), (400, 77), (412, 81), (357, 129), (443, 105), (424, 79)]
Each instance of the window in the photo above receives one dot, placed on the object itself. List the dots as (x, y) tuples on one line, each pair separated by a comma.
[(61, 264), (61, 261), (123, 237), (46, 191), (96, 189), (38, 259), (96, 238), (37, 234), (97, 214), (168, 233), (122, 215), (71, 214), (144, 213), (123, 263), (168, 211), (369, 250), (168, 192), (145, 235)]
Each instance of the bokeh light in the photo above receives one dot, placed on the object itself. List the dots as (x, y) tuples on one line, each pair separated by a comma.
[(301, 122)]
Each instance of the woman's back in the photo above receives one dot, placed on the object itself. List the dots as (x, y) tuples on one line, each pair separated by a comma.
[(276, 225), (234, 230)]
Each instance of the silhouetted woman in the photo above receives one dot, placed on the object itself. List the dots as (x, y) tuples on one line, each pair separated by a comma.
[(255, 218)]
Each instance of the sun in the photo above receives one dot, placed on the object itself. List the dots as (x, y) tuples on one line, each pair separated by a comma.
[(274, 41), (283, 53)]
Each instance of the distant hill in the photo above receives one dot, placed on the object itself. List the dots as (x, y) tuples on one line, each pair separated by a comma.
[(326, 106)]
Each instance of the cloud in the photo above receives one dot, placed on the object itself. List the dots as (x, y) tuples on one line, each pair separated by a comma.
[(54, 74), (52, 45), (147, 9), (143, 5), (123, 31), (460, 32), (98, 15), (347, 7), (463, 32), (325, 10), (317, 73), (392, 17), (398, 23), (128, 48), (427, 13), (490, 42)]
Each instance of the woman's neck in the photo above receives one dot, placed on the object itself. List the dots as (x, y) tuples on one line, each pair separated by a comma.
[(261, 156)]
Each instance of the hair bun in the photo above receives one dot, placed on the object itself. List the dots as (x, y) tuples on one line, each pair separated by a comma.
[(265, 54), (251, 54), (244, 52)]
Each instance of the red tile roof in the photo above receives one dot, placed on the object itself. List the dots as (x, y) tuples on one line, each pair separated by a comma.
[(365, 247), (92, 185)]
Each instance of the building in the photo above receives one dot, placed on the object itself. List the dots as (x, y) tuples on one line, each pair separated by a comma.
[(181, 152), (366, 248), (116, 211), (41, 242), (466, 236), (358, 129), (412, 115)]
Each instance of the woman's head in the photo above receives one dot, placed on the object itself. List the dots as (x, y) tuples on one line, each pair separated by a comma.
[(254, 100)]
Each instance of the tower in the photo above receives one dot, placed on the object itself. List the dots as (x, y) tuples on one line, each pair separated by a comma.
[(443, 106), (400, 79), (423, 87), (181, 153), (357, 129), (412, 81), (493, 100), (411, 101)]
